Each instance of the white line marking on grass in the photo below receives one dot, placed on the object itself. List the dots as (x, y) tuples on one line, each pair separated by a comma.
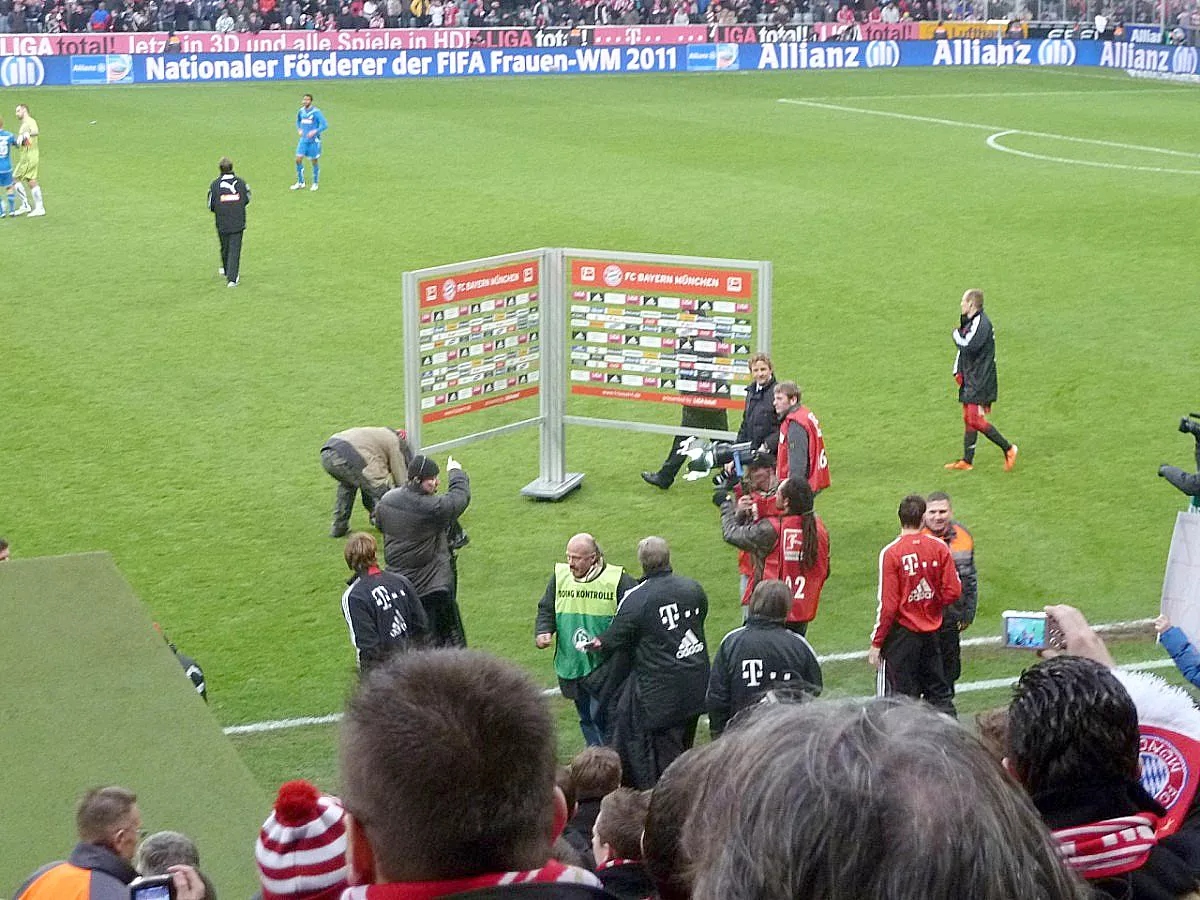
[(334, 718), (969, 95), (993, 141), (1000, 131), (993, 684)]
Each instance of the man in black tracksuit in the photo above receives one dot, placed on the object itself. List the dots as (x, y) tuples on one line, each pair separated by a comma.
[(975, 372), (228, 198), (661, 623), (761, 656), (382, 609)]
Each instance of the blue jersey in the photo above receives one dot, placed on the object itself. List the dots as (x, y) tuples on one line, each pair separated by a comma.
[(308, 120), (8, 140)]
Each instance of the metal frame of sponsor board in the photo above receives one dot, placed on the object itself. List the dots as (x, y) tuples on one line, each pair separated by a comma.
[(554, 481)]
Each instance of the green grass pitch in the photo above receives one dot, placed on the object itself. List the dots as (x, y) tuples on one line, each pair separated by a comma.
[(151, 412)]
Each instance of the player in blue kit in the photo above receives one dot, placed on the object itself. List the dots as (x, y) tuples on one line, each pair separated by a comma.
[(310, 125), (8, 140)]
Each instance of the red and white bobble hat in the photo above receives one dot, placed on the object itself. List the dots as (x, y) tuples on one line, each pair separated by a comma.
[(301, 849)]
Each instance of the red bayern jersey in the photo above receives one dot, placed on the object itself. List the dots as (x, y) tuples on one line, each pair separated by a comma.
[(917, 580), (784, 562), (764, 505), (818, 461)]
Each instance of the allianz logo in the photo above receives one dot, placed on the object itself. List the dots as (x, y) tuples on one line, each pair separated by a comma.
[(883, 54), (1184, 61), (22, 71), (1056, 53)]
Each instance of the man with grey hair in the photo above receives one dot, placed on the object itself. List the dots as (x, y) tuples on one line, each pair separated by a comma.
[(163, 849), (876, 798), (101, 865), (660, 624)]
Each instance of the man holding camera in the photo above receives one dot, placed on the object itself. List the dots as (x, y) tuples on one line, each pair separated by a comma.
[(415, 523), (1188, 482)]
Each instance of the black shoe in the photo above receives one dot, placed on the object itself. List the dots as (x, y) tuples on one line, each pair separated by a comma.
[(657, 479), (338, 531)]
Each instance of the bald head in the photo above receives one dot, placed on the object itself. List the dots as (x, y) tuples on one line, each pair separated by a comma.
[(582, 553)]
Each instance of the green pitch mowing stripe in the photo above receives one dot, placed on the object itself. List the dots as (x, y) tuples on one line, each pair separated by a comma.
[(93, 696)]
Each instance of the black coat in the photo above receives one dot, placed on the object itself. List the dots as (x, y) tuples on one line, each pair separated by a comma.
[(228, 198), (760, 424), (661, 622), (756, 658), (414, 531), (384, 614), (976, 362)]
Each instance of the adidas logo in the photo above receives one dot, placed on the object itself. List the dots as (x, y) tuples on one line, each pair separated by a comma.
[(689, 646)]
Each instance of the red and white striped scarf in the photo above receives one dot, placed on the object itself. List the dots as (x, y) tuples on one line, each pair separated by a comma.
[(1109, 847), (552, 871)]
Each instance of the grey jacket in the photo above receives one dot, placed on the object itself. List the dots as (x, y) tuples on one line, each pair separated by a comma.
[(414, 531)]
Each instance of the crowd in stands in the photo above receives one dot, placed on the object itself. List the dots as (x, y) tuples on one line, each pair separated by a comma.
[(450, 788), (100, 16)]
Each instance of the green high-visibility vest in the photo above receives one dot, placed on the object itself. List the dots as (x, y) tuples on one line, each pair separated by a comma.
[(582, 610)]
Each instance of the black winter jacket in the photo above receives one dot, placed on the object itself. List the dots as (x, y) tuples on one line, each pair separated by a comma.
[(976, 361), (758, 657), (414, 531), (384, 615), (661, 622), (760, 425)]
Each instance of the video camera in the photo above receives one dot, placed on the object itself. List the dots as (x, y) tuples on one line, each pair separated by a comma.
[(703, 456)]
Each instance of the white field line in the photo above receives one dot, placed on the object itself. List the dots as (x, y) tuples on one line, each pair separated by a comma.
[(994, 129), (972, 94), (966, 688), (993, 141)]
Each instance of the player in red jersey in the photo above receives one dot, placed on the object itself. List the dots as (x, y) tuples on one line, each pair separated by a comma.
[(801, 444), (917, 580)]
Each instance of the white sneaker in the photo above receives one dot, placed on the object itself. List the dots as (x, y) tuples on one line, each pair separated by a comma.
[(24, 209), (298, 186), (40, 211), (313, 188), (233, 283), (221, 271)]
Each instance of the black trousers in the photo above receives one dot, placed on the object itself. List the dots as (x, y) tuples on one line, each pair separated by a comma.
[(913, 668), (645, 753), (951, 650), (231, 253), (445, 621)]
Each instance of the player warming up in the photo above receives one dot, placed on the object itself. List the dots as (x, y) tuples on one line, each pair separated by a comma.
[(310, 125), (975, 372), (27, 166), (7, 141)]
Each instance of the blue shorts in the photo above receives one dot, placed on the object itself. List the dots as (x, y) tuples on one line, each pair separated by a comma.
[(309, 149), (6, 179)]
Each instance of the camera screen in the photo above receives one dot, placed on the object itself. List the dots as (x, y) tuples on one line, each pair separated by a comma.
[(1025, 631), (151, 892)]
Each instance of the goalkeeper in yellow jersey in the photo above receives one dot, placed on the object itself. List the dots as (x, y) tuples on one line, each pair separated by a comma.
[(26, 171)]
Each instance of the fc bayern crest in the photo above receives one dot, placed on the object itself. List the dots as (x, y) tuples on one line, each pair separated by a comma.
[(1165, 774), (612, 275), (449, 289)]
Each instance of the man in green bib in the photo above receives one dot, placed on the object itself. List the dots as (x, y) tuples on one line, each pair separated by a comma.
[(579, 604)]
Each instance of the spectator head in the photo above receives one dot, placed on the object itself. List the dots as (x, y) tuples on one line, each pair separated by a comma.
[(1071, 721), (225, 165), (787, 395), (912, 511), (361, 551), (972, 302), (566, 786), (423, 473), (4, 551), (938, 512), (109, 817), (447, 764), (761, 368), (301, 849), (992, 725), (771, 600), (582, 554), (664, 852), (654, 555), (617, 833), (828, 811), (163, 849), (595, 771)]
